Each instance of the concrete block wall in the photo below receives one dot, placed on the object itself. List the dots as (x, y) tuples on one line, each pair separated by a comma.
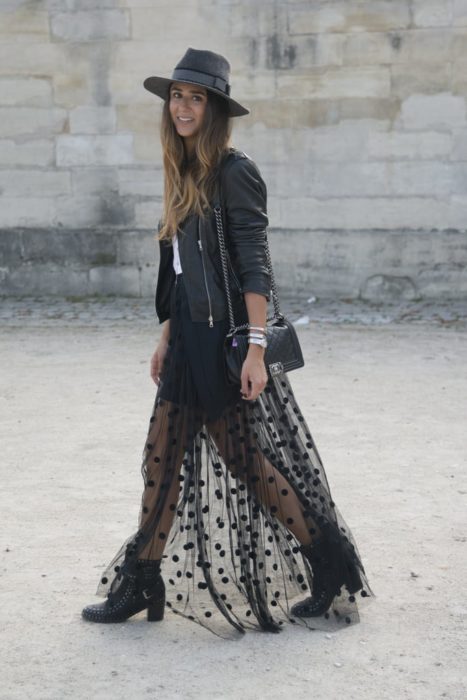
[(358, 123)]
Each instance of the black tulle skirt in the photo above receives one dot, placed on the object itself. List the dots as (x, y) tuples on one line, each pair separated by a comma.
[(223, 477)]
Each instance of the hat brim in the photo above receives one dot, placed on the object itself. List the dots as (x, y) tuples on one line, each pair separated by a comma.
[(160, 87)]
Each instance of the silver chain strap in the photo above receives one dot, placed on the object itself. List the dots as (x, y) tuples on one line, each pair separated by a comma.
[(275, 299)]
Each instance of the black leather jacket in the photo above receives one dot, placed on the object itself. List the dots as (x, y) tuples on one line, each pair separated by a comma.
[(245, 220)]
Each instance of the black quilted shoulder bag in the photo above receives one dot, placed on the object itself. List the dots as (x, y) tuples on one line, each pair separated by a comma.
[(283, 352)]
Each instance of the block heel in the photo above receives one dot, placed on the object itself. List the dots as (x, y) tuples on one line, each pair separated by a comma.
[(155, 612), (140, 587), (333, 566)]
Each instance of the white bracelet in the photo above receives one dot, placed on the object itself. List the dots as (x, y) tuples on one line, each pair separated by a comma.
[(257, 341)]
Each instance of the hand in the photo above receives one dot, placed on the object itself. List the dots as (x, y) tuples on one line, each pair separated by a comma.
[(254, 376), (157, 359)]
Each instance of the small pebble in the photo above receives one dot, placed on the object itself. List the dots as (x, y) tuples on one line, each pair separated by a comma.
[(302, 321)]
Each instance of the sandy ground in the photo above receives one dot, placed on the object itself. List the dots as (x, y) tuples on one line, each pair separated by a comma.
[(387, 406)]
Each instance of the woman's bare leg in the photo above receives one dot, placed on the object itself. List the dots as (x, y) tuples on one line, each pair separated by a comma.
[(166, 446), (270, 487), (274, 491)]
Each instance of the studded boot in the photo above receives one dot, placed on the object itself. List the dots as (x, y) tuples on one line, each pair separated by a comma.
[(142, 590), (330, 572)]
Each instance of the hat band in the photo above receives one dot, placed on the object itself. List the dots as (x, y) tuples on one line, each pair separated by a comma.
[(213, 81)]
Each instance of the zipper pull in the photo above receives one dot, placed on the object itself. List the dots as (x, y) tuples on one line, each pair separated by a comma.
[(199, 244), (211, 324)]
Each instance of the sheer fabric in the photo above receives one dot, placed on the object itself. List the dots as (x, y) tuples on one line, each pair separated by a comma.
[(231, 489)]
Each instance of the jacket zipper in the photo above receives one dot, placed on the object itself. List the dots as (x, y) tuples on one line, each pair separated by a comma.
[(211, 324)]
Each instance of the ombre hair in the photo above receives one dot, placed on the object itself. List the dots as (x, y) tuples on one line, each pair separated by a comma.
[(189, 182)]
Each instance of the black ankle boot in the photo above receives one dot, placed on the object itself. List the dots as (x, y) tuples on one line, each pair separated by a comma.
[(333, 564), (141, 590), (326, 582)]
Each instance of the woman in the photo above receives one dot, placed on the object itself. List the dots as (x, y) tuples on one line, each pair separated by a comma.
[(236, 506)]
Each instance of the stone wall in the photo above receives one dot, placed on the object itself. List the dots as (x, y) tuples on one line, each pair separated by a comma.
[(358, 124)]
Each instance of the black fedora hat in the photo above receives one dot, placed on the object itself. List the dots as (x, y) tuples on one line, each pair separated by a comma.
[(199, 67)]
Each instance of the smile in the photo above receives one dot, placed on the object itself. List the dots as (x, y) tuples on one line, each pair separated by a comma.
[(185, 119)]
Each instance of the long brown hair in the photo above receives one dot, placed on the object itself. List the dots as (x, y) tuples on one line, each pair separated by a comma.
[(189, 181)]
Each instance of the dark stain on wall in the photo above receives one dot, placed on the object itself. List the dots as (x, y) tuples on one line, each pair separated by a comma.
[(253, 50), (115, 210), (100, 72), (279, 54), (395, 40)]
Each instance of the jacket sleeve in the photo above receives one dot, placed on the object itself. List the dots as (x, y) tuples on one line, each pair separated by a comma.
[(245, 200)]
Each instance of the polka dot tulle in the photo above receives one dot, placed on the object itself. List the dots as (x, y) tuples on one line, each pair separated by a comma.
[(229, 486)]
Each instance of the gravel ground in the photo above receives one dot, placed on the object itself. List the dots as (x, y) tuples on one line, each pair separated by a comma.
[(302, 310), (384, 391)]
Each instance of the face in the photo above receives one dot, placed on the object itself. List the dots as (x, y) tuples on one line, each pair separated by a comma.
[(187, 104)]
